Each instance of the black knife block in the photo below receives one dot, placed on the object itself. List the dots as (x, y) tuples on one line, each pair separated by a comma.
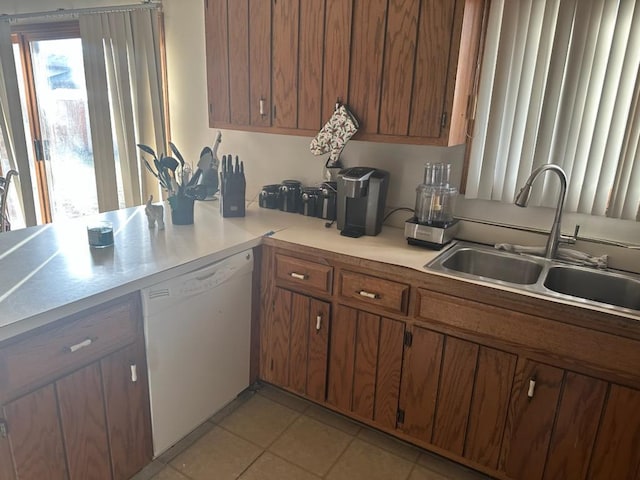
[(232, 197)]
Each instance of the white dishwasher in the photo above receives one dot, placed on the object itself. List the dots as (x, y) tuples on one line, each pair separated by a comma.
[(197, 331)]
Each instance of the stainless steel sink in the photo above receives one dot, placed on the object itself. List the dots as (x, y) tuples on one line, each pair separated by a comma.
[(494, 265), (603, 287), (542, 276)]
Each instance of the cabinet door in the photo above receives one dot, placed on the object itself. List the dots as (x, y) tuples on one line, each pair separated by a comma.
[(616, 453), (297, 342), (433, 48), (278, 338), (575, 428), (488, 413), (239, 87), (82, 416), (284, 54), (310, 66), (534, 400), (217, 48), (420, 378), (455, 394), (365, 365), (260, 62), (337, 51), (126, 398), (238, 55), (309, 344), (35, 437)]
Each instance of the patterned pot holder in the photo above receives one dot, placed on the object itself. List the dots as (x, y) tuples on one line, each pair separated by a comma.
[(335, 134)]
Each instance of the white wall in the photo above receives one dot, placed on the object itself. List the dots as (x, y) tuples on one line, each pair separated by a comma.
[(272, 158)]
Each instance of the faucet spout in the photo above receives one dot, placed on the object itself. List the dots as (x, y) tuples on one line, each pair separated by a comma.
[(522, 198)]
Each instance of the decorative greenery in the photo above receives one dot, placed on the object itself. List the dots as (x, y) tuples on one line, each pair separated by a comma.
[(172, 174)]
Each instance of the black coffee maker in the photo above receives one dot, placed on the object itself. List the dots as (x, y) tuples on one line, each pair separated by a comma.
[(362, 193)]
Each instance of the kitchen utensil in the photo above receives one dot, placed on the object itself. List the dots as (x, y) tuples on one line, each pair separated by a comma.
[(209, 171), (232, 187)]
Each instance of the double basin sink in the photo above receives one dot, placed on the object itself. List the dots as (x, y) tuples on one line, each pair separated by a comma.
[(542, 276)]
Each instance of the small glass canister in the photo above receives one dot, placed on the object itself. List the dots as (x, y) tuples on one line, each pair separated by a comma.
[(100, 234)]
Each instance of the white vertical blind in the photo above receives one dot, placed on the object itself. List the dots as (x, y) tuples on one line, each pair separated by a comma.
[(559, 84), (124, 78)]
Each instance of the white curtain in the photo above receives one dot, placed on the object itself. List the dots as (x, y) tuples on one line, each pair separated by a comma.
[(124, 77), (559, 84), (11, 126)]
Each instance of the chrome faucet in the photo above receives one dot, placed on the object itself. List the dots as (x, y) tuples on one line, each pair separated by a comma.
[(523, 198)]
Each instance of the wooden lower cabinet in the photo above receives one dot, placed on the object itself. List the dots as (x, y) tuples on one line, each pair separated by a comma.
[(616, 453), (80, 399), (36, 448), (126, 402), (455, 395), (89, 422), (459, 377), (564, 425), (365, 365), (297, 337)]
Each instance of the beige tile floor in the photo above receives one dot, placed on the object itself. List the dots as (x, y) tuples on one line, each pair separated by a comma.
[(267, 434)]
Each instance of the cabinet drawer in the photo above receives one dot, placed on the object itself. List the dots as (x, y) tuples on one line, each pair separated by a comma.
[(51, 352), (304, 273), (379, 292)]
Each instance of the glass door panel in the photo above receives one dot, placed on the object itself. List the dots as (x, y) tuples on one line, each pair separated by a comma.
[(65, 139)]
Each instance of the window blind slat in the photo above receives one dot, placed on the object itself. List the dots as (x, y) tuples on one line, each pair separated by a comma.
[(563, 75)]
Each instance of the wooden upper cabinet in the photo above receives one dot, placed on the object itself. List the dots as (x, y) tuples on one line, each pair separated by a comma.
[(259, 62), (406, 68)]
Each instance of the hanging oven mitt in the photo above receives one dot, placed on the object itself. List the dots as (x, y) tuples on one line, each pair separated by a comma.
[(335, 134)]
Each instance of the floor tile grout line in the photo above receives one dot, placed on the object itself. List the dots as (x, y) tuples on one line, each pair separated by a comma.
[(353, 439), (251, 464), (188, 477), (284, 459), (284, 392), (419, 452)]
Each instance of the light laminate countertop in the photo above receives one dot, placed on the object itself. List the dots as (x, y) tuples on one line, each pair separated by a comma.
[(49, 272)]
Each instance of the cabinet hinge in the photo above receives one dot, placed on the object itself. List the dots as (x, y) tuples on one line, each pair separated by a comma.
[(4, 429), (408, 339), (400, 416), (443, 120), (211, 108), (274, 111)]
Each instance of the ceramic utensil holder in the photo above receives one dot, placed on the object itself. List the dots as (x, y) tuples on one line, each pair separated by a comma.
[(181, 210)]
